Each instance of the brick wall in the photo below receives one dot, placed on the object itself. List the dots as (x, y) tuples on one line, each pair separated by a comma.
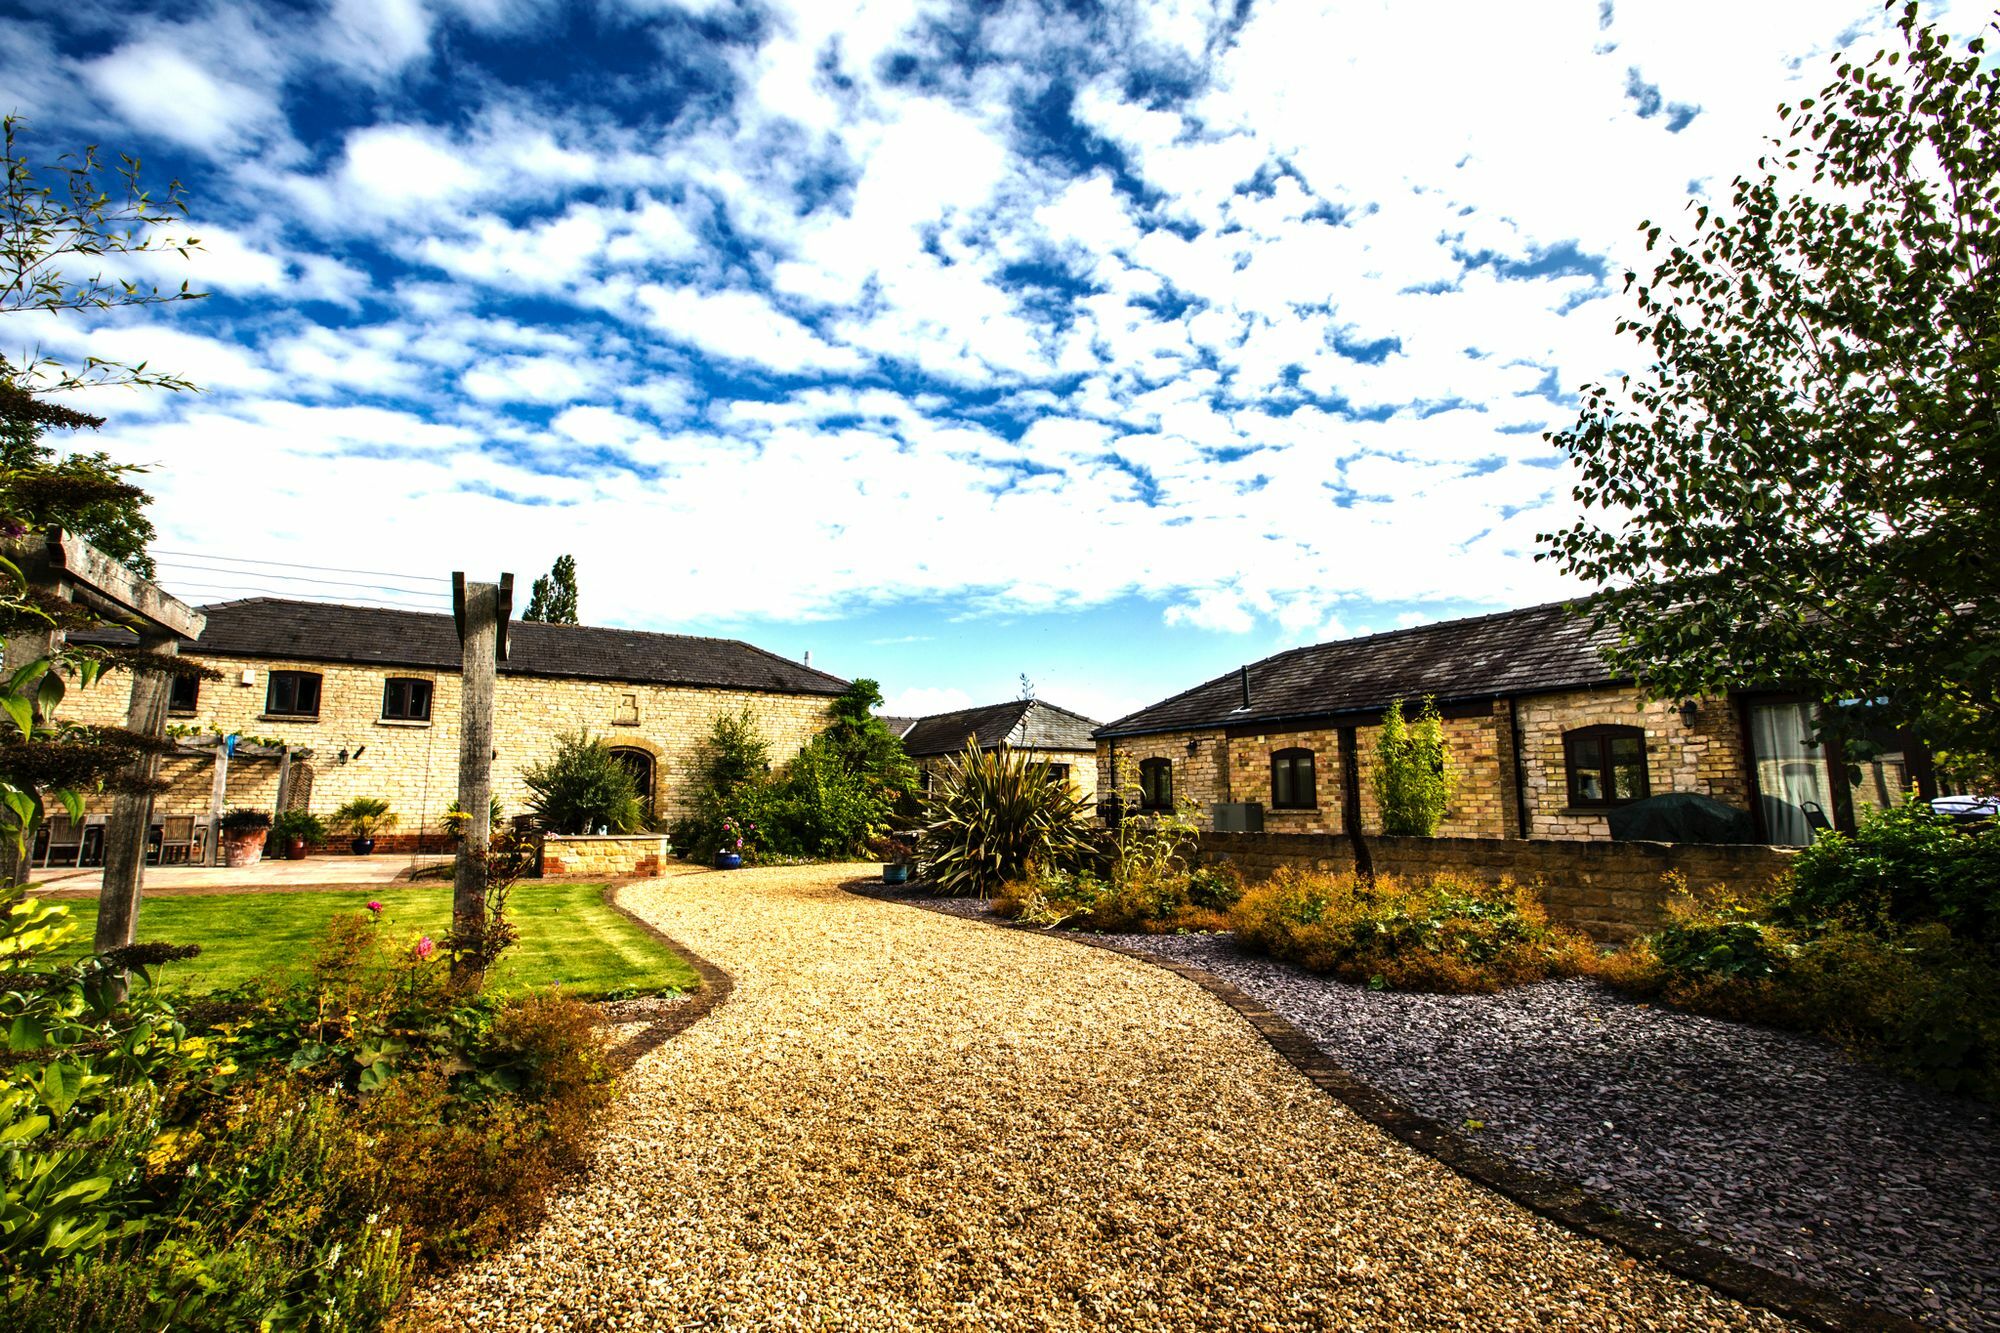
[(606, 856), (415, 765), (1082, 767), (1612, 891), (1706, 757)]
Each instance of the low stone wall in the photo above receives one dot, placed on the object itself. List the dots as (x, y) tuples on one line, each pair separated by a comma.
[(608, 854), (1611, 891)]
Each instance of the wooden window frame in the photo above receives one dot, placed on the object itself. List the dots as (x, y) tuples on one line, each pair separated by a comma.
[(1149, 793), (1290, 756), (1598, 739), (296, 677), (652, 772), (389, 690), (192, 686)]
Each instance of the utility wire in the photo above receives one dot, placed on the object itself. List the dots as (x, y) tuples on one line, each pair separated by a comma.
[(211, 588), (294, 578), (287, 564)]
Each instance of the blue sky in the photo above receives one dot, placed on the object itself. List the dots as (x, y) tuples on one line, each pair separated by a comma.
[(1113, 344)]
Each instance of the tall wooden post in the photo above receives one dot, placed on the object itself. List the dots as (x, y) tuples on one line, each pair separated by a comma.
[(131, 820), (481, 611), (22, 649)]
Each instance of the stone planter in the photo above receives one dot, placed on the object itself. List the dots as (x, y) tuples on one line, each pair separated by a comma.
[(243, 847)]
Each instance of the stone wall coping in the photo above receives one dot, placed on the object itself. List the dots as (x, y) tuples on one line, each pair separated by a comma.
[(604, 837)]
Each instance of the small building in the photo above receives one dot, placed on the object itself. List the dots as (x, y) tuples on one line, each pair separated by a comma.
[(1056, 736), (1546, 738), (367, 700)]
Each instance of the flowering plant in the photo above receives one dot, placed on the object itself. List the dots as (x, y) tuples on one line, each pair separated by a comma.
[(425, 948), (375, 907), (735, 834)]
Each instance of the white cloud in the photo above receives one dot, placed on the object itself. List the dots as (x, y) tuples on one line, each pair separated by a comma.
[(922, 701), (178, 96), (740, 326)]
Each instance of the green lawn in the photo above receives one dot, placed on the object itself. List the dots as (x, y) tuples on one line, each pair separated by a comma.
[(569, 935)]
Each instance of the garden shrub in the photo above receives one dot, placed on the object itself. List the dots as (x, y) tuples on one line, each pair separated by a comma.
[(1919, 999), (1411, 773), (290, 1158), (822, 805), (1137, 878), (1447, 933), (1902, 866), (583, 786), (729, 772), (994, 817)]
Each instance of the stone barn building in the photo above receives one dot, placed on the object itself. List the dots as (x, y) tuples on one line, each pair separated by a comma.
[(1054, 735)]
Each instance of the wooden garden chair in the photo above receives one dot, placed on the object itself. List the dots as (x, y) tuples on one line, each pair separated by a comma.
[(65, 836), (177, 833)]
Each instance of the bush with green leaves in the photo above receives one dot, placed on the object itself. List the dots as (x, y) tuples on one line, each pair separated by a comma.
[(301, 824), (994, 817), (363, 817), (822, 805), (1412, 772), (581, 787), (293, 1157), (1902, 866), (1445, 932), (727, 787)]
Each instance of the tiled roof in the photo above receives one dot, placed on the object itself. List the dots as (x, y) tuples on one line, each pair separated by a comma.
[(898, 725), (326, 632), (1027, 723), (1535, 649)]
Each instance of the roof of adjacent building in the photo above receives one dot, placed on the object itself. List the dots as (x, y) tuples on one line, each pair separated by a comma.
[(1529, 651), (273, 627), (1027, 724), (899, 725)]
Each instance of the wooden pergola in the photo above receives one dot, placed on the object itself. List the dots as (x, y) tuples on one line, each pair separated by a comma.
[(67, 566), (225, 749)]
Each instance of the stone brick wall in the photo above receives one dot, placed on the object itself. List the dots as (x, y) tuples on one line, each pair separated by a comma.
[(1082, 767), (1611, 891), (614, 855), (1706, 758), (415, 765)]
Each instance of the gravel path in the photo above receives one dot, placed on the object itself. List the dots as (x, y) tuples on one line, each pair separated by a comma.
[(1771, 1147), (900, 1120)]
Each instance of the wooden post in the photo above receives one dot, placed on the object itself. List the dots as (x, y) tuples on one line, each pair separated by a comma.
[(218, 790), (481, 611), (131, 820), (22, 649)]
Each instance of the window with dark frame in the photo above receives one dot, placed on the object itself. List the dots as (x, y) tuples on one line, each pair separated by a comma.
[(1156, 784), (184, 695), (1060, 772), (1607, 766), (292, 694), (406, 699), (1294, 785)]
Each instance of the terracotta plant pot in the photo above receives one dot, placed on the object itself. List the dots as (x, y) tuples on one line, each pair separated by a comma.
[(295, 849), (243, 849), (361, 846)]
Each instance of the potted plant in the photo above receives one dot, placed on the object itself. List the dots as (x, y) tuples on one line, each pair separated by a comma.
[(729, 850), (242, 838), (295, 830), (364, 817), (898, 852)]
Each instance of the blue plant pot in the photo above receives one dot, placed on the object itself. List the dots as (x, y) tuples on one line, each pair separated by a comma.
[(895, 872), (728, 861)]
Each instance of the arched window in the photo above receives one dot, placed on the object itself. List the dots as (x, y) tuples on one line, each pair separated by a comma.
[(640, 765), (1292, 782), (1156, 784), (1607, 765)]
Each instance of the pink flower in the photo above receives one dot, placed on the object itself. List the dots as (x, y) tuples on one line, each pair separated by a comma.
[(375, 907), (425, 948)]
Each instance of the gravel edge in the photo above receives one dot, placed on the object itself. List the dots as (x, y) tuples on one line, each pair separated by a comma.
[(716, 985), (1559, 1201)]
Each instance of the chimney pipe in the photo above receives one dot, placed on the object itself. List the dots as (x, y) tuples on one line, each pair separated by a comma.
[(809, 657), (1246, 685)]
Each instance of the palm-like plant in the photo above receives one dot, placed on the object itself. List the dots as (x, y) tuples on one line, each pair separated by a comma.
[(992, 816), (364, 816)]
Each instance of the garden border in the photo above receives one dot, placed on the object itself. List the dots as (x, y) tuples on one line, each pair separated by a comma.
[(1569, 1205), (716, 986)]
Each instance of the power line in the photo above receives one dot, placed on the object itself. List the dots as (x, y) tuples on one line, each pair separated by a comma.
[(295, 578), (211, 588), (287, 564)]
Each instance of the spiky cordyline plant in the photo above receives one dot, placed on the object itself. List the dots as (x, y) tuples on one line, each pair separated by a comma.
[(993, 815)]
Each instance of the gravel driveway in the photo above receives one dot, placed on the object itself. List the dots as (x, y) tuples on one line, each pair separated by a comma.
[(901, 1120)]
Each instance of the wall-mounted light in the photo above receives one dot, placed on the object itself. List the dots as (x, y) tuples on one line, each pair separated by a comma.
[(1689, 712), (342, 758)]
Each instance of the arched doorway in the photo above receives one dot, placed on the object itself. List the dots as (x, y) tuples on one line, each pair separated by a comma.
[(640, 765)]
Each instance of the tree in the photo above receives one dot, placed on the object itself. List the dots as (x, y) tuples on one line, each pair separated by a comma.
[(553, 596), (1800, 489), (867, 745), (1412, 774), (87, 494)]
